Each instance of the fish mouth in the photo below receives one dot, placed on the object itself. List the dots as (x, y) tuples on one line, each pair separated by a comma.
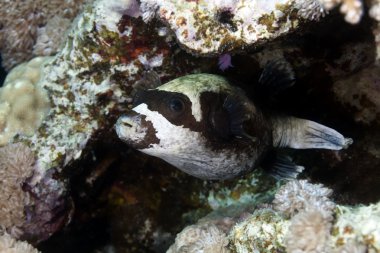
[(124, 125), (124, 121)]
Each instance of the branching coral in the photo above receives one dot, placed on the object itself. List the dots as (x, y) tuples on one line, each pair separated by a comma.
[(16, 165), (352, 9), (23, 104), (19, 24), (11, 245)]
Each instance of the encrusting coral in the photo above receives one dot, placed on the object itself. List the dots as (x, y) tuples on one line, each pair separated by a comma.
[(16, 165), (213, 27), (206, 238), (11, 245), (23, 104), (22, 24)]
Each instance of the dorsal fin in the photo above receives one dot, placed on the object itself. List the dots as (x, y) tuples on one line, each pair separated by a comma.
[(277, 76)]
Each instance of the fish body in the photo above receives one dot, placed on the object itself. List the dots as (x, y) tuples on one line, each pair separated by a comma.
[(208, 128)]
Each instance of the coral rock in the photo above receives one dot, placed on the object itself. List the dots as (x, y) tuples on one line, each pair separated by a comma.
[(213, 27), (205, 238)]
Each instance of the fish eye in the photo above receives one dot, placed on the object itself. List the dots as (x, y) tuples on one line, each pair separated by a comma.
[(176, 105)]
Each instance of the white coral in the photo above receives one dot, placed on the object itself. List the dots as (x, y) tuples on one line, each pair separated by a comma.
[(309, 232), (300, 195), (352, 9)]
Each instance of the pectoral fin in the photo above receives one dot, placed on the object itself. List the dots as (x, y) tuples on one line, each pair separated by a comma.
[(277, 76), (240, 110), (305, 134), (281, 166)]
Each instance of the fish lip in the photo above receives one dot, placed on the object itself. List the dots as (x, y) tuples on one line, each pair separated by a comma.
[(125, 121), (122, 121)]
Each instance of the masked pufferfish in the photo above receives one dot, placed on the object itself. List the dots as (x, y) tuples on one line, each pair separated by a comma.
[(209, 129)]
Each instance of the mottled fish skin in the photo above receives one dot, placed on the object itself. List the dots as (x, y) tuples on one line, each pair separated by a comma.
[(209, 129)]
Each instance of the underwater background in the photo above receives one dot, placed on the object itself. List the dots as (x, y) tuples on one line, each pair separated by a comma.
[(70, 69)]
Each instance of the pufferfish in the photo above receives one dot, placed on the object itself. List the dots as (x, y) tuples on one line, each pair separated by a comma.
[(210, 129)]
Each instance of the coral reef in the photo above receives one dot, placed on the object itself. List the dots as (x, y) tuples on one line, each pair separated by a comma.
[(23, 104), (11, 245), (23, 23), (316, 227), (213, 27)]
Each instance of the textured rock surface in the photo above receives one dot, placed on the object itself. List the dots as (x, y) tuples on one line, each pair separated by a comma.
[(213, 27)]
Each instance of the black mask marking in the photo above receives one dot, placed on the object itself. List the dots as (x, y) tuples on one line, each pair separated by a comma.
[(174, 106)]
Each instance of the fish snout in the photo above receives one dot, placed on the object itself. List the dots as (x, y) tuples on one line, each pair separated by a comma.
[(135, 130), (130, 129)]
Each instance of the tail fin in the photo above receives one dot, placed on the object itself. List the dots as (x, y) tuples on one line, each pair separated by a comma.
[(305, 134)]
